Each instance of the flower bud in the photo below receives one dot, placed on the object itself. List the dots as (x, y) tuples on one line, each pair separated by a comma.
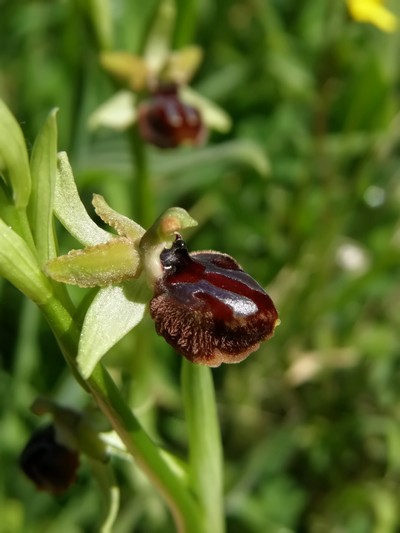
[(50, 465), (208, 308), (167, 122)]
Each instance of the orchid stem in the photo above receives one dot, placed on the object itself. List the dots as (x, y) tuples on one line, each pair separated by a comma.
[(183, 506), (205, 448), (143, 194)]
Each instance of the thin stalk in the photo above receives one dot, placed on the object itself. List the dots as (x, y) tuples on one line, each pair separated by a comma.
[(143, 200), (184, 508), (205, 448), (186, 18)]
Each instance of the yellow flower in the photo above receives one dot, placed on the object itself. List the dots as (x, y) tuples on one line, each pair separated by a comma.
[(374, 12)]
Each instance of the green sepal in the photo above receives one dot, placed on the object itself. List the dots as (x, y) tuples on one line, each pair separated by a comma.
[(97, 266), (70, 210), (122, 224), (14, 164), (114, 311), (126, 67)]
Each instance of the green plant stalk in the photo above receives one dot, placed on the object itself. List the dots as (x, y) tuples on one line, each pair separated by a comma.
[(143, 194), (183, 506), (205, 448), (186, 18)]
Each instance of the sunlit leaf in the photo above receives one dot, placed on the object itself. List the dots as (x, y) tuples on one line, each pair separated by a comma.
[(231, 152), (44, 170), (70, 210), (13, 157), (113, 313)]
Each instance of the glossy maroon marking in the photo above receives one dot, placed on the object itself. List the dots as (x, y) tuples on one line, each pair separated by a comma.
[(208, 309), (203, 266)]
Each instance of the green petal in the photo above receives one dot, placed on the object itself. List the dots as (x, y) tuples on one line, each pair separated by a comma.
[(111, 262), (100, 12), (117, 113), (69, 209), (113, 313), (122, 224), (19, 266), (44, 170), (13, 157), (214, 116)]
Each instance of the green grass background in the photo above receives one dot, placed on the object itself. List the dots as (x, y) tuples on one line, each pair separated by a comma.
[(304, 192)]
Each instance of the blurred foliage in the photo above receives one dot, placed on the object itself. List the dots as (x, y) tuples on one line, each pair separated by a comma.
[(311, 422)]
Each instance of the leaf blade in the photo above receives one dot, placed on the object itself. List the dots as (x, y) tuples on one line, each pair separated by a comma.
[(43, 171), (14, 157)]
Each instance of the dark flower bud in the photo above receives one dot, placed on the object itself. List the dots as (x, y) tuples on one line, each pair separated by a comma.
[(50, 465), (167, 122), (208, 308)]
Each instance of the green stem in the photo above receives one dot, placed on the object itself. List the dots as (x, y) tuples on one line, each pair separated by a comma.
[(186, 15), (184, 509), (143, 195), (205, 448), (183, 506)]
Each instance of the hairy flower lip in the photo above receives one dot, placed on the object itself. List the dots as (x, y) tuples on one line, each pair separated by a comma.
[(208, 308)]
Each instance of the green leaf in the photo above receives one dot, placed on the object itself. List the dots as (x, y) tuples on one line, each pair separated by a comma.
[(100, 12), (113, 313), (70, 210), (44, 170), (13, 157), (96, 266), (19, 266)]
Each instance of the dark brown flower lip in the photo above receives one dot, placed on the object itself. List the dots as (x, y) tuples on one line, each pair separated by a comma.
[(51, 466), (167, 122), (208, 308)]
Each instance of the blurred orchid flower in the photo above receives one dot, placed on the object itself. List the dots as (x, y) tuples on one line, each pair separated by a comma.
[(146, 81)]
